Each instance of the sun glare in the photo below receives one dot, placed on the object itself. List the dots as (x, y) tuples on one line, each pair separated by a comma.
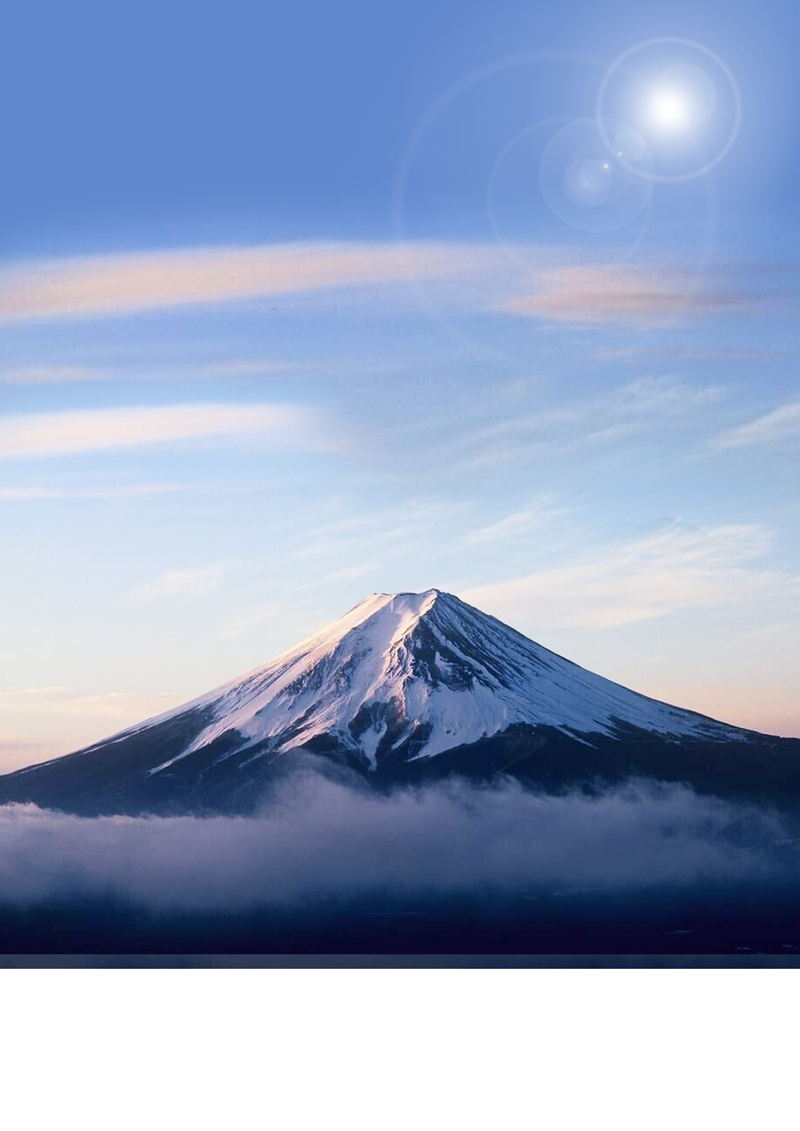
[(670, 109)]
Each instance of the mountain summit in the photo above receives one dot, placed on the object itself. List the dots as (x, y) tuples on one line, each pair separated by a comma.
[(409, 675), (402, 684)]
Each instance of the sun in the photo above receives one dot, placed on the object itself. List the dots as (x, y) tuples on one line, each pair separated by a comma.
[(670, 109)]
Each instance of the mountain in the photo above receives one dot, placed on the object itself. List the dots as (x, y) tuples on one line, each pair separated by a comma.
[(402, 688)]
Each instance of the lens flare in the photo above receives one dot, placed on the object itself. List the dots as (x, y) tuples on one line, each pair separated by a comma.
[(684, 100), (589, 188), (684, 97), (588, 181), (670, 109)]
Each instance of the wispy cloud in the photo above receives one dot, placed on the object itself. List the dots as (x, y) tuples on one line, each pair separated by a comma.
[(615, 293), (662, 396), (111, 285), (676, 568), (261, 613), (135, 491), (356, 544), (637, 408), (773, 427), (99, 429), (516, 525), (50, 374), (183, 583), (37, 723), (645, 352), (115, 705), (372, 535), (63, 719)]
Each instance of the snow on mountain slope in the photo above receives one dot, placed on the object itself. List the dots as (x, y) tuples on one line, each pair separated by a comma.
[(412, 675)]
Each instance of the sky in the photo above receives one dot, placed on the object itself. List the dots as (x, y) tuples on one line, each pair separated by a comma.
[(302, 302)]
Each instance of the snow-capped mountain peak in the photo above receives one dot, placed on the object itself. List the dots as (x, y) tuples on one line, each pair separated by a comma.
[(404, 688), (410, 675)]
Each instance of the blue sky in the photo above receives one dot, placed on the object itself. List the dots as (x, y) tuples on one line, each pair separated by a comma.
[(301, 303)]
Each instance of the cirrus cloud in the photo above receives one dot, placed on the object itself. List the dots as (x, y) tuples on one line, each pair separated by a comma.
[(104, 286), (183, 582), (615, 293), (73, 432), (679, 567), (777, 426)]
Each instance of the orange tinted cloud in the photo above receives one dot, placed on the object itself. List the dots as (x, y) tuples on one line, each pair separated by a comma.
[(109, 285), (622, 294), (98, 429)]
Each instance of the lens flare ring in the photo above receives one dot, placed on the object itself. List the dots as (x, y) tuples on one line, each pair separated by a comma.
[(588, 188), (672, 178)]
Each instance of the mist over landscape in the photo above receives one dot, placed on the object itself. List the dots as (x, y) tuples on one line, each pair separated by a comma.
[(319, 838)]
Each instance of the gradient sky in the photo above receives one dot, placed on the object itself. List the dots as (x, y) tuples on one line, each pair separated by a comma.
[(289, 315)]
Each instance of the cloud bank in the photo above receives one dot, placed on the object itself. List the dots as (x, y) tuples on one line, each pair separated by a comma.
[(320, 838)]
